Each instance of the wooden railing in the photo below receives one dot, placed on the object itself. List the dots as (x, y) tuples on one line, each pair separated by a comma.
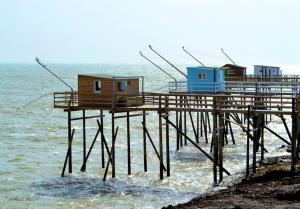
[(181, 101), (65, 99), (236, 87), (198, 101)]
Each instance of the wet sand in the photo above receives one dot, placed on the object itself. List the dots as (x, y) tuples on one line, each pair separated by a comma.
[(272, 186)]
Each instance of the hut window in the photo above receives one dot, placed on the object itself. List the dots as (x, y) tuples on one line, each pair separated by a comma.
[(202, 76), (123, 85), (97, 87)]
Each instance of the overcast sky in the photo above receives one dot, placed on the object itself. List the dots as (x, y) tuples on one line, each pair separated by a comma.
[(98, 31)]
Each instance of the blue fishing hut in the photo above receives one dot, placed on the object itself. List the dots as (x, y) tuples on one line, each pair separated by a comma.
[(205, 79)]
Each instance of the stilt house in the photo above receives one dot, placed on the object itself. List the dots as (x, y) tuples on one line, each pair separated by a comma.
[(205, 79), (108, 90), (234, 72)]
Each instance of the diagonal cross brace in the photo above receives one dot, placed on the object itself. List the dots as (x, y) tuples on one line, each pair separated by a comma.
[(197, 146), (109, 152), (90, 150), (68, 154), (153, 145)]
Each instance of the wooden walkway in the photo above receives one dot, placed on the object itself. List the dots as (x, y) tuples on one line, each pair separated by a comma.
[(207, 113)]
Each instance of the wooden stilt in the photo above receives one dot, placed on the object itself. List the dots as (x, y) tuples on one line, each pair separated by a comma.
[(221, 145), (248, 143), (294, 136), (161, 174), (197, 125), (70, 141), (102, 139), (167, 141), (144, 141), (255, 140), (177, 124), (113, 157), (128, 145), (215, 143), (91, 147), (262, 152), (84, 138), (67, 155)]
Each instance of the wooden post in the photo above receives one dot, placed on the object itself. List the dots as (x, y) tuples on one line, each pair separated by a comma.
[(180, 121), (113, 159), (177, 124), (248, 142), (128, 145), (221, 145), (144, 141), (70, 140), (161, 174), (185, 126), (297, 144), (262, 151), (198, 120), (215, 142), (84, 139), (167, 139), (294, 136), (102, 140), (255, 141), (201, 118)]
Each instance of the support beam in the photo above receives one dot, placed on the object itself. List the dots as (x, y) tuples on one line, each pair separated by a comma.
[(102, 140), (196, 145), (215, 143), (153, 145), (109, 153), (248, 142), (84, 138), (128, 145), (167, 140), (255, 141), (83, 167), (294, 135), (68, 154), (113, 156), (221, 145), (70, 140), (274, 133), (160, 128), (144, 141)]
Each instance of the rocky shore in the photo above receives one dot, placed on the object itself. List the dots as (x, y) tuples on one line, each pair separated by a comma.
[(272, 186)]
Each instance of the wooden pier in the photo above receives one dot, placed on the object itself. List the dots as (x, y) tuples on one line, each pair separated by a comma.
[(207, 113)]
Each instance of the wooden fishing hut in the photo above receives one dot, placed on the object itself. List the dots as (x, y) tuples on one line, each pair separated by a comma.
[(234, 72), (267, 71), (205, 79), (107, 90)]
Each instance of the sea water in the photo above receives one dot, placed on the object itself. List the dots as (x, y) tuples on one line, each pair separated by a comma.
[(34, 143)]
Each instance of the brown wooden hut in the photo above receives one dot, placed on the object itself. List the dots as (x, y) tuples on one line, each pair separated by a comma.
[(234, 72), (107, 90)]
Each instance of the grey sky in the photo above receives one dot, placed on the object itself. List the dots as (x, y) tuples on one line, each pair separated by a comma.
[(97, 31)]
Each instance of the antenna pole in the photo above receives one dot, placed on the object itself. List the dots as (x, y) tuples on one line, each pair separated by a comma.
[(168, 62), (56, 76), (228, 56), (192, 56), (157, 66)]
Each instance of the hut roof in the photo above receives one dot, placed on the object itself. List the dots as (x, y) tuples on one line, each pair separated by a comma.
[(107, 76), (205, 67), (234, 66)]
